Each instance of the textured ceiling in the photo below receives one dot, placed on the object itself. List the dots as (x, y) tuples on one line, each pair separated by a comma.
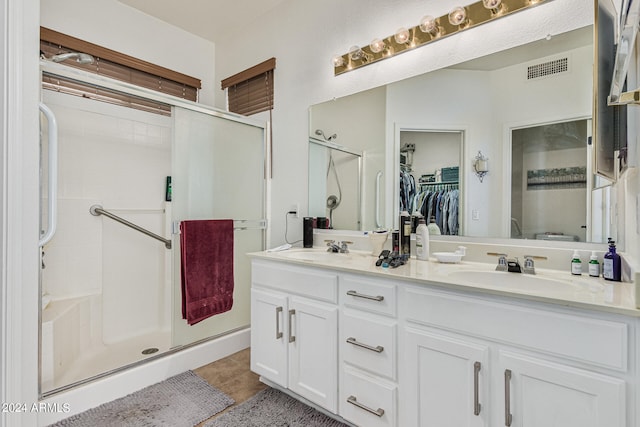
[(210, 19)]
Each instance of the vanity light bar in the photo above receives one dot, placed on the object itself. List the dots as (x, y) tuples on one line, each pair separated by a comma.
[(431, 29)]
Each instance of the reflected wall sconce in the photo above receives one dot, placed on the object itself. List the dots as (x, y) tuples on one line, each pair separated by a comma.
[(480, 166), (428, 30)]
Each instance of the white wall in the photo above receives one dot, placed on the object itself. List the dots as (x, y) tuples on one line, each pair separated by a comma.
[(113, 25), (303, 35)]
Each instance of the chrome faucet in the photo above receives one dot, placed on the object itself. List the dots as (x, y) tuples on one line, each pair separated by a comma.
[(504, 264), (338, 247), (529, 267), (502, 261)]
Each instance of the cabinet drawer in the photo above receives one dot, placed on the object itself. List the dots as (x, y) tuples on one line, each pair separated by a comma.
[(585, 339), (318, 284), (368, 294), (369, 342), (366, 401)]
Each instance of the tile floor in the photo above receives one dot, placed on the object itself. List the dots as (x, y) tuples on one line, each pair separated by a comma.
[(233, 376)]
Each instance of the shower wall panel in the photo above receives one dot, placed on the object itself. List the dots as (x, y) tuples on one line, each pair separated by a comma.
[(118, 158)]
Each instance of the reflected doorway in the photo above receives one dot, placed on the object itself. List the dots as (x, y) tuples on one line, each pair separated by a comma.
[(430, 180), (550, 185)]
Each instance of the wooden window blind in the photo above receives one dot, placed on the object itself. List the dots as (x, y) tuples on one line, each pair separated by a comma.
[(117, 66), (251, 91)]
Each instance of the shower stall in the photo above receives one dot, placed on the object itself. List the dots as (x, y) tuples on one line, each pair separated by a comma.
[(111, 295)]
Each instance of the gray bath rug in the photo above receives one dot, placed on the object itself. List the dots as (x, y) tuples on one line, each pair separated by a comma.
[(182, 400), (273, 408)]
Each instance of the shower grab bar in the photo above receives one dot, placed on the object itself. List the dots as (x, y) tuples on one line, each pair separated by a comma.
[(378, 176), (96, 210), (52, 184)]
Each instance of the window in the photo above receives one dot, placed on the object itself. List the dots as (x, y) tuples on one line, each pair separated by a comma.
[(251, 91)]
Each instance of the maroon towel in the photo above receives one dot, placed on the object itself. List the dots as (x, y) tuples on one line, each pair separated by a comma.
[(206, 253)]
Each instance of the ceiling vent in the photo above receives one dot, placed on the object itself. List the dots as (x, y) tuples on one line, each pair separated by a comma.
[(548, 68)]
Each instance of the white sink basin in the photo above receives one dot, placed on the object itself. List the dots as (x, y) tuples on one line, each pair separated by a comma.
[(525, 282), (319, 255)]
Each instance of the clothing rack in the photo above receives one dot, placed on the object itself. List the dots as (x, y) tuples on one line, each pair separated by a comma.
[(435, 186)]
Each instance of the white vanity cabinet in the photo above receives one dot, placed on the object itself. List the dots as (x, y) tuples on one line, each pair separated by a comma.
[(294, 320), (381, 350), (446, 380), (368, 351), (480, 362)]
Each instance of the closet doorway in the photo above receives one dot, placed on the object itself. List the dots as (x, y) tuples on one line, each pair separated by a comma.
[(430, 181)]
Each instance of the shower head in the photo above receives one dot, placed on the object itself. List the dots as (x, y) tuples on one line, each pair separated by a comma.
[(81, 58), (326, 138)]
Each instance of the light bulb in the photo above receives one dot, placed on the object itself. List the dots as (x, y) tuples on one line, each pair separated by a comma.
[(377, 46), (402, 36), (337, 61), (458, 16), (355, 53), (493, 5), (428, 25)]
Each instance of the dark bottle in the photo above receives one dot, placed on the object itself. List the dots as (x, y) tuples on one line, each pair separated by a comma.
[(405, 233), (611, 267)]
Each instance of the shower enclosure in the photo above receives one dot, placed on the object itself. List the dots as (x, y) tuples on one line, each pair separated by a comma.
[(111, 295), (335, 182)]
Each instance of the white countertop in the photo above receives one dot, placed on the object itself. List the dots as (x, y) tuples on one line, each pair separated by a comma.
[(550, 286)]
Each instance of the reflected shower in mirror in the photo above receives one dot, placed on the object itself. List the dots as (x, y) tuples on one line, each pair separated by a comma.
[(335, 178)]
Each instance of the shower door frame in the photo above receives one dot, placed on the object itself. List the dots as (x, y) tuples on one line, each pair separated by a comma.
[(66, 72)]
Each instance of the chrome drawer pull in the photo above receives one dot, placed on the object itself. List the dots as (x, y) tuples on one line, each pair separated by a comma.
[(352, 399), (507, 398), (375, 298), (476, 393), (292, 338), (278, 331), (377, 349)]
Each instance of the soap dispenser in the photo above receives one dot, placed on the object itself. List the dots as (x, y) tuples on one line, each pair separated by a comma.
[(612, 268)]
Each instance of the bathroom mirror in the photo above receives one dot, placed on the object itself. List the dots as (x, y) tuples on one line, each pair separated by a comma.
[(553, 80)]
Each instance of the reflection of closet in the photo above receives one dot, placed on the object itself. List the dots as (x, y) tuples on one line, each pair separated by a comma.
[(429, 176)]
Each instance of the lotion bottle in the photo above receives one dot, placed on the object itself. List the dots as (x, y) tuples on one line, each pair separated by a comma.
[(422, 240)]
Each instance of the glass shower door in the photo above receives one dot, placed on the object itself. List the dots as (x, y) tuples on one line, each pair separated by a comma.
[(218, 172)]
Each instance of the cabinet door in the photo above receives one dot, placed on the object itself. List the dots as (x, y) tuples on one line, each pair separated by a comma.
[(447, 381), (269, 335), (538, 393), (313, 351)]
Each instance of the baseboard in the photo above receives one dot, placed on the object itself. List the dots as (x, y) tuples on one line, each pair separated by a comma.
[(90, 395)]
